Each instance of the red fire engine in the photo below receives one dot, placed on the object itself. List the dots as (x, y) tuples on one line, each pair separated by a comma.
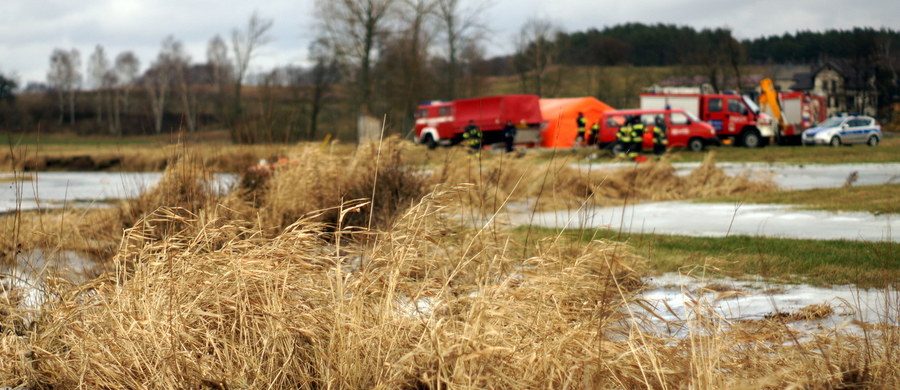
[(795, 111), (736, 119), (442, 123)]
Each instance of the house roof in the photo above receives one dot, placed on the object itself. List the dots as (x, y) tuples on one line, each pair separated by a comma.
[(856, 75)]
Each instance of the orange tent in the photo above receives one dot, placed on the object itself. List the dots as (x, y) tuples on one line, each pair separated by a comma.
[(560, 115)]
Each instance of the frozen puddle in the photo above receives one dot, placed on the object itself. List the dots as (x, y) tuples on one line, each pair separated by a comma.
[(675, 298), (719, 220), (32, 268), (46, 190), (791, 176)]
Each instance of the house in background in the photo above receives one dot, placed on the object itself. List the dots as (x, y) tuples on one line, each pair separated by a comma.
[(848, 88)]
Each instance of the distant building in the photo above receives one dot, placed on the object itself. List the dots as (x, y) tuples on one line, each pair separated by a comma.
[(848, 88)]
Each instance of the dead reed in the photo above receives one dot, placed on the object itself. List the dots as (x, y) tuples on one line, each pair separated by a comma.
[(311, 283), (559, 184)]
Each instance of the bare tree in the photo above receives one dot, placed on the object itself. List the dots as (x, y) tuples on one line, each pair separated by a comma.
[(324, 74), (179, 62), (97, 68), (536, 52), (244, 44), (221, 70), (416, 35), (158, 80), (126, 70), (64, 76), (461, 25), (355, 28), (108, 87)]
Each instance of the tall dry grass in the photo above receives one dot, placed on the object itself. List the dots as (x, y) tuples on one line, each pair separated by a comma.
[(559, 184), (289, 287), (423, 304)]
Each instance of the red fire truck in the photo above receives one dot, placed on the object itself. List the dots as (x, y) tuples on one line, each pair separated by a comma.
[(682, 129), (795, 111), (736, 119), (442, 123)]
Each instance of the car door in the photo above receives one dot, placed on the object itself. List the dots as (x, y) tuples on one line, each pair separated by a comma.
[(865, 128), (678, 129), (716, 115), (855, 131), (738, 115)]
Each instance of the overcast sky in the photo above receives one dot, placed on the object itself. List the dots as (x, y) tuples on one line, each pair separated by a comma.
[(31, 29)]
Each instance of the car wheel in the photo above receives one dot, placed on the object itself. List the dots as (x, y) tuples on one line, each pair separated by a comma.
[(873, 141), (429, 142), (751, 139), (835, 141), (696, 145)]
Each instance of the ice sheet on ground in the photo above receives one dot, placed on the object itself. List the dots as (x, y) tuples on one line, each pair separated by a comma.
[(32, 268), (54, 189), (760, 299), (789, 176), (719, 220)]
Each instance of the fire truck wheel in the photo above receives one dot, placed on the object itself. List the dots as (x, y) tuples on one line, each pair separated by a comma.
[(617, 149), (835, 141), (695, 145), (429, 142), (751, 139)]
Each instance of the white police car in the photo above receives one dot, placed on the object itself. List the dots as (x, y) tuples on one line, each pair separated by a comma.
[(844, 130)]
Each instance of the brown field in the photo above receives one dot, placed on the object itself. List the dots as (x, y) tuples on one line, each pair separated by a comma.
[(354, 269)]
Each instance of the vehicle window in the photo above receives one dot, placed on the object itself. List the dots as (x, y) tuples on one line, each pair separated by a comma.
[(854, 123), (750, 103), (615, 121), (444, 111), (692, 118), (679, 118), (736, 107), (832, 122), (648, 119), (714, 105), (423, 113)]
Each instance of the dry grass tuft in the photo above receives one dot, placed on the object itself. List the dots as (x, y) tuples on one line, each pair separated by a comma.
[(319, 179), (287, 287), (557, 184)]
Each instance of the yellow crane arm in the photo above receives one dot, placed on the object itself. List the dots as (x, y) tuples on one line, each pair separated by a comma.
[(769, 98)]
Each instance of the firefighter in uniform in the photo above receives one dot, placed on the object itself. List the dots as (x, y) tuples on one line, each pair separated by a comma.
[(509, 135), (594, 134), (581, 123), (637, 137), (660, 140), (623, 137), (472, 136)]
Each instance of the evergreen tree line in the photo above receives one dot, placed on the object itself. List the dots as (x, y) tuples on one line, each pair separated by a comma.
[(668, 45)]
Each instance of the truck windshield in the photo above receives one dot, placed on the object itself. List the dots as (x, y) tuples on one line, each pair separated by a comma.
[(750, 104), (692, 117)]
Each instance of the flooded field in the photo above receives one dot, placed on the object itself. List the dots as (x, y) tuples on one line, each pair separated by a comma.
[(792, 176), (719, 220), (673, 299), (51, 190)]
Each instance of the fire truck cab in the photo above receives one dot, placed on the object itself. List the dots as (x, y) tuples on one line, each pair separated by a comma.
[(736, 118)]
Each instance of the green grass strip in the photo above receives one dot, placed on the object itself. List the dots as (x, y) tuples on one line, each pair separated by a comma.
[(818, 262), (876, 199)]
